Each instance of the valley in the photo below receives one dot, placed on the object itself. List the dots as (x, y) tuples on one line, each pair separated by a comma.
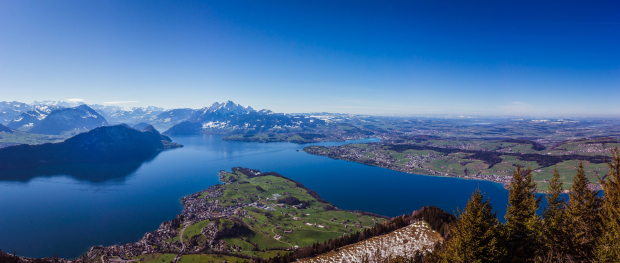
[(491, 160), (309, 131), (478, 148)]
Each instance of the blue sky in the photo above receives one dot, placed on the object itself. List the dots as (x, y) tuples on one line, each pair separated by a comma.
[(559, 58)]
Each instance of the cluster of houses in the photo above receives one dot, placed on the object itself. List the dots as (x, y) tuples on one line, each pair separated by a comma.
[(373, 155), (197, 207), (261, 206), (590, 148)]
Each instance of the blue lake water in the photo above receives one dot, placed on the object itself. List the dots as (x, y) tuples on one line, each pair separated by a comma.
[(65, 210)]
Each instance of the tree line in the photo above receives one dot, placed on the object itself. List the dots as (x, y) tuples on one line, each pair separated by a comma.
[(492, 158), (584, 228), (437, 219)]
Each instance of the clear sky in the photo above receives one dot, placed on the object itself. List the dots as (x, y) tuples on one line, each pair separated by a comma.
[(556, 58)]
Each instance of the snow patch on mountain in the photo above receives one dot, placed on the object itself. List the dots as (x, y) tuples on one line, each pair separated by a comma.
[(214, 124), (78, 119), (402, 242)]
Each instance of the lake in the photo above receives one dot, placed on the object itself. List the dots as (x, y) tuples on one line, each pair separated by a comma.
[(65, 210)]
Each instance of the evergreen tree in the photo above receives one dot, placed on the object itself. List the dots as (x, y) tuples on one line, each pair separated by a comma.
[(583, 217), (607, 247), (554, 223), (523, 225), (476, 235)]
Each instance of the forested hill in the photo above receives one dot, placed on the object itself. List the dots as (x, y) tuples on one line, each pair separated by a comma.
[(104, 144)]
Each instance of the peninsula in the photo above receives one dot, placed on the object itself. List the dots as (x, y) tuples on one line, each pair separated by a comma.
[(251, 214)]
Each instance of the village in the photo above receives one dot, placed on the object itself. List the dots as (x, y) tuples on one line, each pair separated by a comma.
[(208, 206), (374, 156), (198, 207)]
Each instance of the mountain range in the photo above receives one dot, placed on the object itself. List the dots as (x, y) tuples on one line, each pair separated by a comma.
[(116, 114), (54, 118), (230, 118), (11, 110), (117, 143), (33, 117)]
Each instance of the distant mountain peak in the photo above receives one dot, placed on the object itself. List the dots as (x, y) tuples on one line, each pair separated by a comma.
[(218, 111), (80, 118), (85, 107), (228, 117), (229, 107), (27, 120)]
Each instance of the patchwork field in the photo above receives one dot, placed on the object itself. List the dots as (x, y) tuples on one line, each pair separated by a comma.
[(480, 159), (19, 137), (285, 214)]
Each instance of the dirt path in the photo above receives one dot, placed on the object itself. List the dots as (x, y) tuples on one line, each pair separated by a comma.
[(181, 237), (274, 233)]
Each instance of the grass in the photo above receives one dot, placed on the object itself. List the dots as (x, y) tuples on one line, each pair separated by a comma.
[(176, 238), (265, 254), (209, 258), (156, 258), (244, 245), (456, 163), (266, 225), (567, 170), (19, 137), (225, 224), (195, 229)]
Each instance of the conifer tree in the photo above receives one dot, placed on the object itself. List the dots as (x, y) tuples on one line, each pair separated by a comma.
[(554, 223), (583, 217), (607, 247), (523, 225), (476, 235)]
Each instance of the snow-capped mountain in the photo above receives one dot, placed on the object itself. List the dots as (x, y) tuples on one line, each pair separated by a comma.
[(227, 118), (265, 112), (117, 114), (219, 111), (57, 104), (33, 117), (105, 110), (175, 115), (169, 118), (24, 116), (11, 110), (78, 119)]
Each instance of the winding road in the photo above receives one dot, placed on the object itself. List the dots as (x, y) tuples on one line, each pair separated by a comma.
[(181, 237)]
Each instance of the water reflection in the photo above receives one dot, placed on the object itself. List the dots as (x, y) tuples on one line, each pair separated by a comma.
[(115, 172)]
